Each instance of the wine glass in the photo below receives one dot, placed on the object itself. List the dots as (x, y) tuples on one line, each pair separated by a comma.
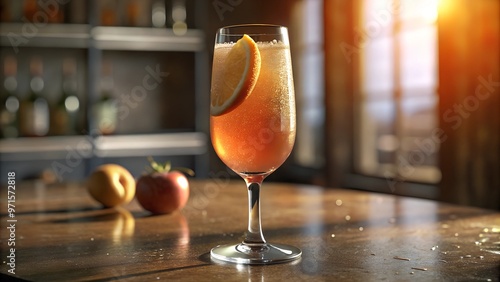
[(252, 123)]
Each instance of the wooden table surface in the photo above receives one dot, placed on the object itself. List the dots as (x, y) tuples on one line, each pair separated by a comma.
[(61, 234)]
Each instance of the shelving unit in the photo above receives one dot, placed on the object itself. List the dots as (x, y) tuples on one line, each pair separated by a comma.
[(184, 143), (97, 39), (44, 148), (49, 35), (57, 147), (101, 37), (146, 39)]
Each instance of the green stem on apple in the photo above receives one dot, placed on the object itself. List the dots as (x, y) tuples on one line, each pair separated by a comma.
[(167, 167)]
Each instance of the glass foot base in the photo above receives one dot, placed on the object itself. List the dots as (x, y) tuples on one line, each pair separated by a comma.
[(266, 254)]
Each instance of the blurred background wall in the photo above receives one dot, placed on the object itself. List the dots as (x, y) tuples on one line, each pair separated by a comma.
[(393, 96)]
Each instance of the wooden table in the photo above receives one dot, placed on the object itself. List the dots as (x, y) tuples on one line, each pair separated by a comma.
[(61, 234)]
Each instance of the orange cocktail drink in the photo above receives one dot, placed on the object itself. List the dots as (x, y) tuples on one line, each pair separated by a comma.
[(252, 124), (258, 134)]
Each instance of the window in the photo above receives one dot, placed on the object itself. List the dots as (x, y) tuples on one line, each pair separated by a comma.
[(308, 57), (397, 112)]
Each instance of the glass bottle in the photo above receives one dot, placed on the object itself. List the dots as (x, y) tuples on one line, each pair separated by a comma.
[(64, 115), (34, 110), (9, 101), (104, 111)]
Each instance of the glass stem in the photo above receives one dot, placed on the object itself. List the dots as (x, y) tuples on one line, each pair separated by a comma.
[(253, 235)]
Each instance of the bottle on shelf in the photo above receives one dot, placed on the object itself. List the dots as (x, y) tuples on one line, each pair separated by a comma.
[(5, 11), (76, 12), (34, 109), (108, 13), (64, 114), (51, 12), (9, 101), (104, 111), (179, 25), (30, 7), (133, 13), (158, 16)]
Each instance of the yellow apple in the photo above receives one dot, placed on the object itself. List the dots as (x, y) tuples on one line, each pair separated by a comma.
[(111, 185)]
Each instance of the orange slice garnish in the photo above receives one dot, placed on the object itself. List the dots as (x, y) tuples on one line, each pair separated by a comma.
[(241, 70)]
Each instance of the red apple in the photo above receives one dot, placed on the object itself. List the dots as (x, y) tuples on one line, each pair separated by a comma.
[(164, 190)]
